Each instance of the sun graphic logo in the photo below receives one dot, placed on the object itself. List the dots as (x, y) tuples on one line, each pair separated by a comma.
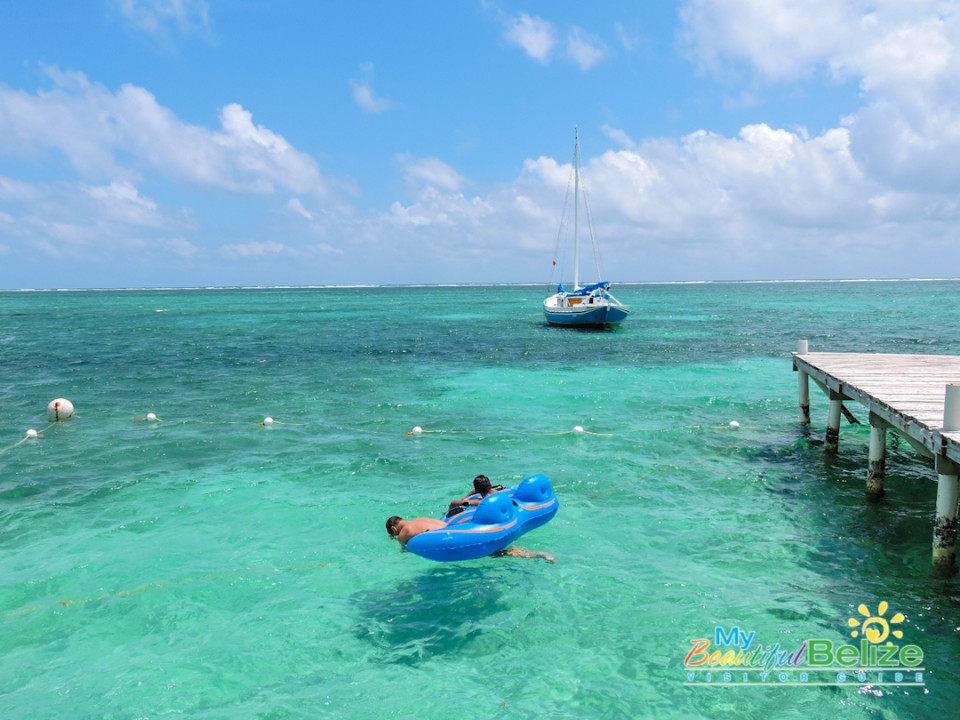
[(875, 650), (876, 628)]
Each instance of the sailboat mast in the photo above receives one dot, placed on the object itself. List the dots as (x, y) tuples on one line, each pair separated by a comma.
[(576, 210)]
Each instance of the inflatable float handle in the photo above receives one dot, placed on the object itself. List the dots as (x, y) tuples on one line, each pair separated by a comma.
[(495, 509), (534, 489)]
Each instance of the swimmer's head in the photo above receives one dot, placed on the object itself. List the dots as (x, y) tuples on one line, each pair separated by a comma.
[(393, 525), (481, 483)]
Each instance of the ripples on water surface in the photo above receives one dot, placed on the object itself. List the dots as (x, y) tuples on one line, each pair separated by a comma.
[(208, 566)]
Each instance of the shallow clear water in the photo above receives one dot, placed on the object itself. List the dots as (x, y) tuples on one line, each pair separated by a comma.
[(208, 566)]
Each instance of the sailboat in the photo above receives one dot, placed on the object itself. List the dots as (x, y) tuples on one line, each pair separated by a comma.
[(589, 305)]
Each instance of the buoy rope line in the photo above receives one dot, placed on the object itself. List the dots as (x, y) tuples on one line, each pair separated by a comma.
[(62, 409), (30, 435), (421, 431), (269, 422), (734, 425), (576, 430), (33, 434), (152, 417), (580, 430)]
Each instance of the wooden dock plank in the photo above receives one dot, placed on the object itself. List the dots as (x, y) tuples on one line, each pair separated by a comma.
[(906, 391)]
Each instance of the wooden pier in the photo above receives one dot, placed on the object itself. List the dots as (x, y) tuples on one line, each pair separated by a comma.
[(916, 396)]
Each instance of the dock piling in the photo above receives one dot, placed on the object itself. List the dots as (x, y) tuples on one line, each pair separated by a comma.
[(877, 467), (945, 526), (832, 440), (948, 486)]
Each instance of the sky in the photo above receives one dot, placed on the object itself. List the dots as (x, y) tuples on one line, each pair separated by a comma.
[(197, 143)]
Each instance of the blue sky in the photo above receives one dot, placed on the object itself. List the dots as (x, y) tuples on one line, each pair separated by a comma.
[(168, 143)]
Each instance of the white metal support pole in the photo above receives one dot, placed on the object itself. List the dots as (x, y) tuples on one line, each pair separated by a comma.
[(945, 526), (576, 210), (951, 408), (948, 487), (803, 383)]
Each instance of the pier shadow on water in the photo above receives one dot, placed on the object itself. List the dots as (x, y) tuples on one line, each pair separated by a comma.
[(441, 611)]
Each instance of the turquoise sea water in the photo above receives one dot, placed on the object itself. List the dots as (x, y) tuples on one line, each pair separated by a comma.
[(208, 566)]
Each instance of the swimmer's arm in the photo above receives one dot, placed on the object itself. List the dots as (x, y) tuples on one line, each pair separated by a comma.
[(465, 500)]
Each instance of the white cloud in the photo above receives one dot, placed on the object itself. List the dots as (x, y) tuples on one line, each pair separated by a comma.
[(261, 249), (629, 41), (584, 49), (781, 39), (123, 134), (363, 93), (555, 175), (324, 249), (154, 16), (539, 37), (534, 35), (430, 171), (12, 190), (443, 209), (180, 247), (364, 97), (118, 142), (122, 201), (719, 203), (907, 133), (5, 220), (67, 219), (619, 136), (297, 207), (264, 157), (254, 249)]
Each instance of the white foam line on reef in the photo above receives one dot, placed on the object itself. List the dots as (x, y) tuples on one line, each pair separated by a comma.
[(475, 285)]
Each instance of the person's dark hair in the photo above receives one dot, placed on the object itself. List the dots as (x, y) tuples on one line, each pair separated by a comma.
[(392, 523), (481, 483)]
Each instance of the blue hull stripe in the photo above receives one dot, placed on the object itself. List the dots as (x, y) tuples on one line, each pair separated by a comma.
[(591, 316)]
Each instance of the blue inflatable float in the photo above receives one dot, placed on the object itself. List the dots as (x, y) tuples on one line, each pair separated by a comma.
[(492, 525)]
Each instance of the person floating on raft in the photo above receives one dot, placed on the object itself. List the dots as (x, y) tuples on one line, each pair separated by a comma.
[(481, 488), (486, 528)]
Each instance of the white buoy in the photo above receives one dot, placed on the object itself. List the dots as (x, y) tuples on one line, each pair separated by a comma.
[(734, 424), (32, 434), (60, 409), (417, 430), (151, 417), (578, 429), (268, 421)]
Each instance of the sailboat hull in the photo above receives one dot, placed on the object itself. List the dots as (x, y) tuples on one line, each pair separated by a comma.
[(586, 315)]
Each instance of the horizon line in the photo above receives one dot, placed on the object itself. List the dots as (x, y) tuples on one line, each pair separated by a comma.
[(361, 286)]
